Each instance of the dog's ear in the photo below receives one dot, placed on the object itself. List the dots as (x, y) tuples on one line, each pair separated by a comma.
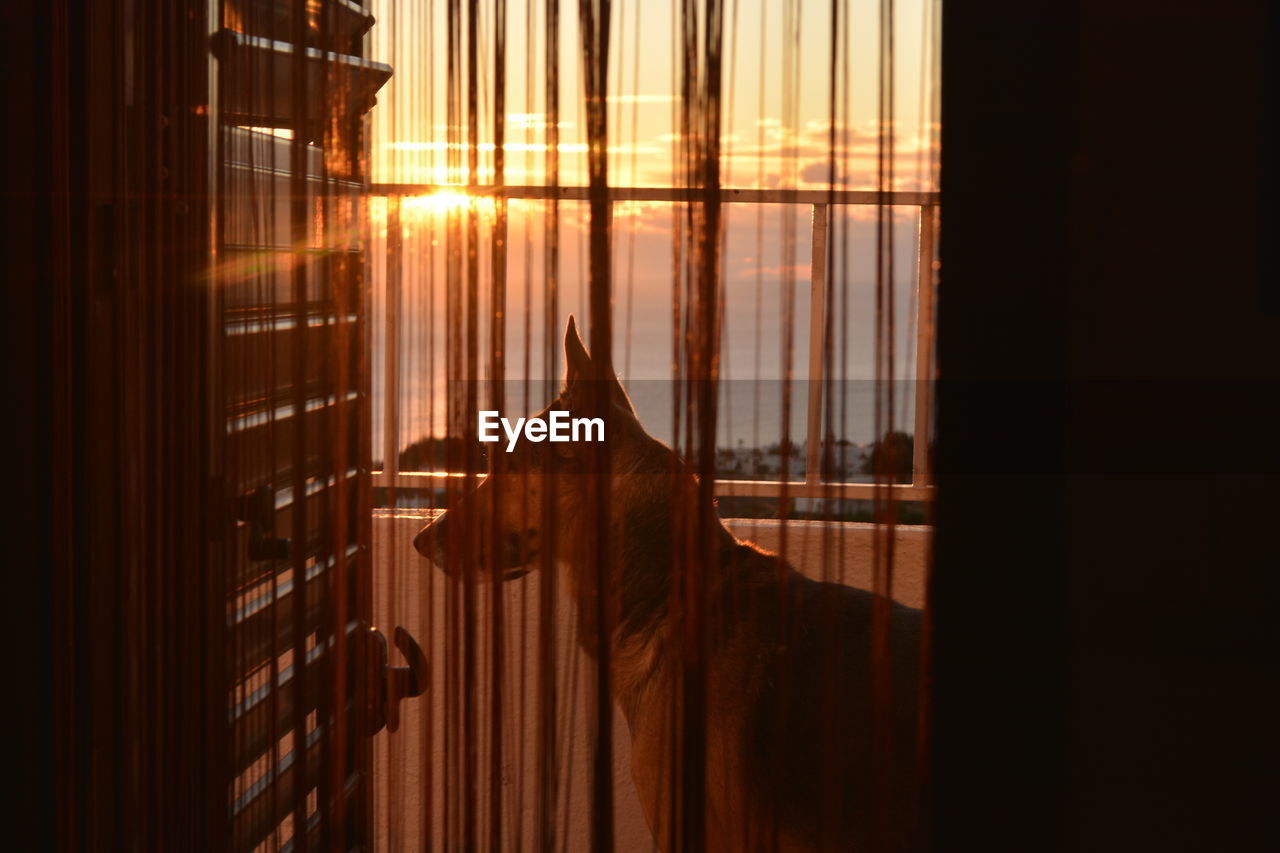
[(578, 367), (577, 361), (621, 399)]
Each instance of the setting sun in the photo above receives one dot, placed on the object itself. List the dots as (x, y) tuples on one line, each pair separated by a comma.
[(436, 203)]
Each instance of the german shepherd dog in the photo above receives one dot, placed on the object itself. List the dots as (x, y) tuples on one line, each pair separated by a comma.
[(790, 755)]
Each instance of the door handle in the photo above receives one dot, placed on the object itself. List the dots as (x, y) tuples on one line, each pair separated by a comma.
[(392, 684), (258, 510)]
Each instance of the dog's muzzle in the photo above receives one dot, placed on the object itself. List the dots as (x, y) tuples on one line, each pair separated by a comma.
[(430, 542), (516, 553)]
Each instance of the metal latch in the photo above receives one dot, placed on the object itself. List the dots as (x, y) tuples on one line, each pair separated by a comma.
[(390, 684), (258, 510)]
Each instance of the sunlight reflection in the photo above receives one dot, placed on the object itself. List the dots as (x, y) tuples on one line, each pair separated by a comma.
[(442, 201)]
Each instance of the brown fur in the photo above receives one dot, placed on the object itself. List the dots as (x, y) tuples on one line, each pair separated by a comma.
[(788, 745)]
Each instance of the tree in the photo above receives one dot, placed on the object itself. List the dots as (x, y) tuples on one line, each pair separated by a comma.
[(891, 457), (435, 453)]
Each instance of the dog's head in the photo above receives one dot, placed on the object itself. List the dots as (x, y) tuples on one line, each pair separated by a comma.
[(531, 506)]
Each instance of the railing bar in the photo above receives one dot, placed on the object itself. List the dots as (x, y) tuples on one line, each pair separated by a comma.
[(383, 479), (284, 323), (250, 420), (817, 342), (921, 475), (669, 194), (744, 488), (275, 172), (803, 489), (391, 342)]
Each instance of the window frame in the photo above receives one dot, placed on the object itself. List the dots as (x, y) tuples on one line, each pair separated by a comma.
[(820, 202)]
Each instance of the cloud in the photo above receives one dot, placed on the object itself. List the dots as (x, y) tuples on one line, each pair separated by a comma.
[(819, 172), (799, 272), (534, 121), (641, 99), (565, 147)]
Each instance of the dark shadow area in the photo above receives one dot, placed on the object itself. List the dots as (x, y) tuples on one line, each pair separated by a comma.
[(1104, 676)]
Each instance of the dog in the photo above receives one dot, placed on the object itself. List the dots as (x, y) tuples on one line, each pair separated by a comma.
[(796, 754)]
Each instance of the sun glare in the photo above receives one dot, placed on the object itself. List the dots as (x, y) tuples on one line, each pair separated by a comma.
[(423, 209), (443, 201)]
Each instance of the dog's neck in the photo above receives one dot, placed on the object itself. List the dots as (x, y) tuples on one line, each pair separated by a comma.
[(641, 647)]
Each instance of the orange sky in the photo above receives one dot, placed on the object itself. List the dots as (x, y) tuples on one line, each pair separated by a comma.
[(408, 146), (409, 121)]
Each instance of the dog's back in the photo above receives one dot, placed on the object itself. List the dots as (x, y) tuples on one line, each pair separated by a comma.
[(790, 758), (809, 736)]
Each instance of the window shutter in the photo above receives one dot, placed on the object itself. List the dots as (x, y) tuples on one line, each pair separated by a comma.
[(293, 441)]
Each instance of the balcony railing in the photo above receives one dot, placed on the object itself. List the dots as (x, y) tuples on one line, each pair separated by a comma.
[(820, 202)]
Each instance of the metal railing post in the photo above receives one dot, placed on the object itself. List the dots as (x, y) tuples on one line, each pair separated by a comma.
[(817, 343), (920, 474), (391, 343)]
